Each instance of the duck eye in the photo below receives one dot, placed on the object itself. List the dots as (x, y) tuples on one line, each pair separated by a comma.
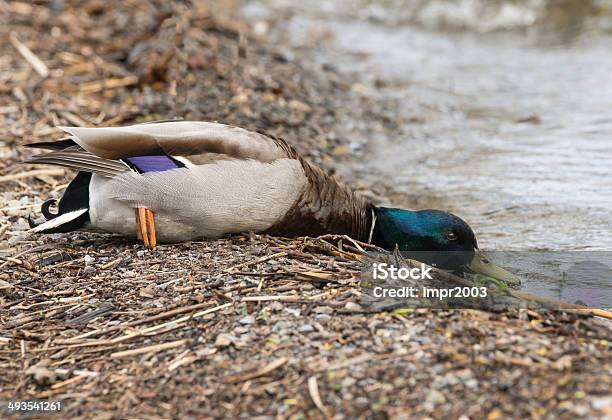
[(451, 236)]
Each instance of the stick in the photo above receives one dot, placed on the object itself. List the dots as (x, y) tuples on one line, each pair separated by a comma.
[(30, 57), (156, 348), (157, 317), (313, 389), (269, 368), (281, 298), (101, 85), (260, 260), (139, 333)]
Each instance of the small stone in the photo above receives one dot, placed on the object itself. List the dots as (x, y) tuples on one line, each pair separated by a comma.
[(341, 150), (471, 383), (261, 27), (147, 292), (280, 325), (293, 311), (323, 310), (322, 318), (581, 409), (348, 381), (275, 306), (435, 397), (140, 253), (88, 259), (224, 340), (16, 237), (41, 375), (247, 320), (353, 307), (241, 330), (21, 224), (89, 269), (602, 403), (300, 106), (495, 415), (306, 328)]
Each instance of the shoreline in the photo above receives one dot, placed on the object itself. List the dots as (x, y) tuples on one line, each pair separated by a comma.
[(248, 325)]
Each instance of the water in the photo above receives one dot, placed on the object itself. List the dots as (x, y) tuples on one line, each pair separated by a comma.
[(511, 130)]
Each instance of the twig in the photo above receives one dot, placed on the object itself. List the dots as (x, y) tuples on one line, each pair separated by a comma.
[(281, 298), (145, 331), (69, 381), (269, 368), (252, 262), (30, 57), (156, 348), (157, 317), (101, 85), (313, 389)]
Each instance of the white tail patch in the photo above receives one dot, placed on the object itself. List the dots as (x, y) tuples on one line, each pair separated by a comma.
[(58, 221)]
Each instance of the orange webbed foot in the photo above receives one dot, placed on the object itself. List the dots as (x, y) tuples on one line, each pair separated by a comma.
[(145, 221)]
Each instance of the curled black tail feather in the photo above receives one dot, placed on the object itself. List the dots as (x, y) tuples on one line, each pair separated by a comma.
[(45, 209)]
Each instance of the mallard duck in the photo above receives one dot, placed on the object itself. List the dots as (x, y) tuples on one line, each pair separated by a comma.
[(180, 181)]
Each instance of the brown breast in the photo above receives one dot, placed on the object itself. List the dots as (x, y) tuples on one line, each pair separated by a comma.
[(325, 206)]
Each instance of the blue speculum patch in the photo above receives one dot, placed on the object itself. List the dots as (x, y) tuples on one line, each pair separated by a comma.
[(155, 163)]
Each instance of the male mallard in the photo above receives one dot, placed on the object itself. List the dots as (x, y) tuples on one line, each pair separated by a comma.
[(180, 181)]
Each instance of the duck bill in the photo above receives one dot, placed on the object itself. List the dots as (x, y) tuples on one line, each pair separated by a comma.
[(481, 265)]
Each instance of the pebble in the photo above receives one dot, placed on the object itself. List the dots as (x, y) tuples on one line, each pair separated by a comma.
[(600, 403), (306, 328), (471, 383), (275, 306), (88, 259), (348, 381), (293, 311), (247, 320), (323, 310), (17, 237), (352, 306), (224, 340), (21, 224), (435, 397), (281, 325), (322, 318), (241, 330)]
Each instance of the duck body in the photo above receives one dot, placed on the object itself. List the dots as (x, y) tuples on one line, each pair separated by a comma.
[(201, 180), (180, 181)]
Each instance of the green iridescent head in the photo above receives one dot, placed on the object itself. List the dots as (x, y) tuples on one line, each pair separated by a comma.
[(434, 237)]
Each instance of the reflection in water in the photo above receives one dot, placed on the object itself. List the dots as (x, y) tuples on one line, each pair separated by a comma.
[(510, 130), (583, 277)]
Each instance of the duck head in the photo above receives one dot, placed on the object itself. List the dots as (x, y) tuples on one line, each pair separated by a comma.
[(437, 238)]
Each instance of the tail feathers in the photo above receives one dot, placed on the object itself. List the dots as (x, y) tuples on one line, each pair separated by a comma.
[(53, 145), (81, 160), (60, 223), (72, 208)]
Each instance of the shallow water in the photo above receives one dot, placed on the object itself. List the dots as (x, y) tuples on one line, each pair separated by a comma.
[(511, 130)]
